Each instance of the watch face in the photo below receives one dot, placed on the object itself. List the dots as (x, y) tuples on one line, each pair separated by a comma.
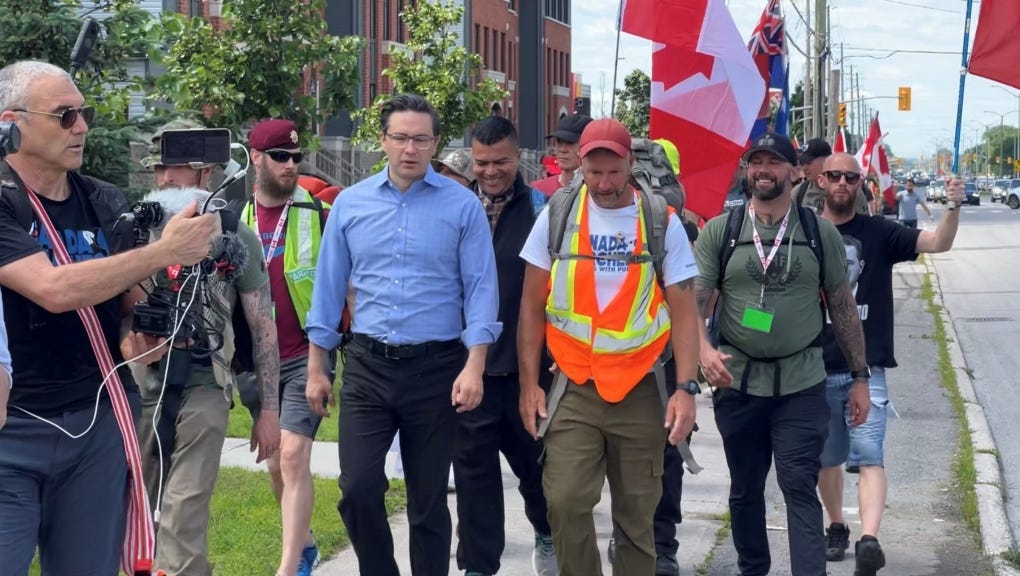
[(692, 387)]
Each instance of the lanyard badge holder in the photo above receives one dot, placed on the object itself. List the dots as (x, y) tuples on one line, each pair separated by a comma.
[(759, 317)]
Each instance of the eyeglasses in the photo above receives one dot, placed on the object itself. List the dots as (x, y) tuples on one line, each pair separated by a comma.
[(835, 175), (420, 142), (282, 156), (68, 117)]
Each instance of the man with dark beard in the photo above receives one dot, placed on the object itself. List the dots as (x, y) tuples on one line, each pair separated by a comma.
[(882, 243), (768, 370), (289, 221)]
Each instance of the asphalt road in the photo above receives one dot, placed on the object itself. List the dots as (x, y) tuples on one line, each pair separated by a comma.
[(980, 283)]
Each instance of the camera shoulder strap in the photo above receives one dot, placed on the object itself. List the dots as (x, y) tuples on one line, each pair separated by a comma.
[(136, 554)]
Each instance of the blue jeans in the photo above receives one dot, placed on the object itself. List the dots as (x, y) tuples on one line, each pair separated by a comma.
[(861, 445)]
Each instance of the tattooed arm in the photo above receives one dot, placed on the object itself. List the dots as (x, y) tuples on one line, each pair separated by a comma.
[(846, 326), (258, 311)]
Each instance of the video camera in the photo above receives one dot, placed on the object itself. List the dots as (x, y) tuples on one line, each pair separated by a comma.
[(10, 139)]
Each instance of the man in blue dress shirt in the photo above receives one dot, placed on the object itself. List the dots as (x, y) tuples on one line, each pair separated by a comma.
[(416, 249)]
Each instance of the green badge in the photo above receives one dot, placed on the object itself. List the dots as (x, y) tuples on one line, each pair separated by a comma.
[(758, 318)]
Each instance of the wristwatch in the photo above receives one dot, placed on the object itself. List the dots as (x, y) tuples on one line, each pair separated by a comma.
[(862, 374), (691, 387)]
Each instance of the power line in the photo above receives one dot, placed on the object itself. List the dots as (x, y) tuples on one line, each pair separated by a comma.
[(923, 6)]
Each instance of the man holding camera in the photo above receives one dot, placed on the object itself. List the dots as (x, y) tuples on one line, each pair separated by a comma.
[(185, 405), (289, 222), (70, 453)]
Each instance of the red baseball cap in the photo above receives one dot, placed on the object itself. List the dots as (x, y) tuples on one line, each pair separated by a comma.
[(606, 133)]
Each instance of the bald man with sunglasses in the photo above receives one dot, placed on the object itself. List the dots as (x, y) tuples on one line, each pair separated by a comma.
[(873, 245)]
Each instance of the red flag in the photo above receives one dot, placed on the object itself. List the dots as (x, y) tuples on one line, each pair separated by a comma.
[(996, 42), (706, 90), (872, 157), (864, 155), (840, 144)]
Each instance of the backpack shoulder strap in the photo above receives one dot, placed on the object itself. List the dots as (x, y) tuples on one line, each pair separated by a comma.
[(809, 222), (734, 222), (559, 210), (656, 214)]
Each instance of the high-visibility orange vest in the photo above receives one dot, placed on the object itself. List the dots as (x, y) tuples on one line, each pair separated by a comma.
[(619, 345)]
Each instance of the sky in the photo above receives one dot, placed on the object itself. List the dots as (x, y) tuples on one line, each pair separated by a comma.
[(869, 30)]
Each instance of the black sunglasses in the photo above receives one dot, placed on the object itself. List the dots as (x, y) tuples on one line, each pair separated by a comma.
[(282, 156), (68, 117), (834, 176)]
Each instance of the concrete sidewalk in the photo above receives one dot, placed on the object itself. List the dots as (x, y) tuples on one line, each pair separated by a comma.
[(923, 532)]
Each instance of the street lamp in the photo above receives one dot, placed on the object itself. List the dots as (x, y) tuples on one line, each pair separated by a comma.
[(1016, 141), (1002, 118)]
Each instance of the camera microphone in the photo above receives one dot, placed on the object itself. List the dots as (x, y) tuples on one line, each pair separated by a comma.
[(228, 256)]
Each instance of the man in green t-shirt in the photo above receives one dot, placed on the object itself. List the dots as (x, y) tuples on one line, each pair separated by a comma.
[(768, 369), (185, 407)]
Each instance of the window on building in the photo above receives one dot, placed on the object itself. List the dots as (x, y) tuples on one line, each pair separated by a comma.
[(387, 20), (478, 39), (495, 49), (373, 15), (502, 51), (195, 8), (485, 52)]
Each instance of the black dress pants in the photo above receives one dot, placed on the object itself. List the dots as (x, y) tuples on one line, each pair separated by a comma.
[(793, 428), (380, 396), (494, 427)]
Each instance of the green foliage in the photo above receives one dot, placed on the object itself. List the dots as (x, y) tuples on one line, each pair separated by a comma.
[(991, 155), (797, 116), (255, 67), (47, 29), (434, 66), (634, 102)]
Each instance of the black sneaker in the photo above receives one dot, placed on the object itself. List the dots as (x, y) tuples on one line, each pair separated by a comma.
[(666, 565), (869, 556), (837, 540)]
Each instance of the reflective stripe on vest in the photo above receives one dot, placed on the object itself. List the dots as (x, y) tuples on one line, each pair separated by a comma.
[(304, 232), (617, 346)]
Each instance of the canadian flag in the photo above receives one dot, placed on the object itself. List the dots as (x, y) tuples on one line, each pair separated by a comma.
[(840, 144), (872, 157), (706, 90)]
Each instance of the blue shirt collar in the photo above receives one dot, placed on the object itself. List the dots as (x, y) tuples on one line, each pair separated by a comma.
[(431, 178)]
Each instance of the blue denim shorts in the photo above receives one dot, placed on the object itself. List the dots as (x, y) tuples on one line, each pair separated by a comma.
[(861, 445)]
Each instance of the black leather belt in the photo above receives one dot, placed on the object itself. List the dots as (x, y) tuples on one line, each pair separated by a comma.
[(404, 351)]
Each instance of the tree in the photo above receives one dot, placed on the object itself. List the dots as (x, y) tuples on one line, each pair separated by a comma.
[(47, 30), (255, 66), (634, 102), (797, 116), (434, 66)]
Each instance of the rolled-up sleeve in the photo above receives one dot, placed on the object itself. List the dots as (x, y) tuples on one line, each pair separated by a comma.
[(478, 275), (332, 274)]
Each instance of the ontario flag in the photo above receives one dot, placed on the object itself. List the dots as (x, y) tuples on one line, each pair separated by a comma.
[(768, 48), (706, 90), (996, 43)]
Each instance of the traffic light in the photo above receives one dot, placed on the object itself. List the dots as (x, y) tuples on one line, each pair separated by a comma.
[(904, 98), (841, 115), (582, 106)]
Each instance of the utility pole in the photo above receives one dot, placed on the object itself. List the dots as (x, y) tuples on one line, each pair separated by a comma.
[(860, 108), (809, 89), (834, 100), (821, 49), (853, 106)]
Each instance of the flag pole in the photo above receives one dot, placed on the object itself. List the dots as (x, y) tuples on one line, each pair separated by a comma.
[(616, 58), (963, 81)]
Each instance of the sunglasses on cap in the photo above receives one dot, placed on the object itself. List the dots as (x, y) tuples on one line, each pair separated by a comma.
[(282, 156), (835, 175), (68, 117)]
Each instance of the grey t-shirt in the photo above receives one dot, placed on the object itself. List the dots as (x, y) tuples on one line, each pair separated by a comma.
[(908, 205)]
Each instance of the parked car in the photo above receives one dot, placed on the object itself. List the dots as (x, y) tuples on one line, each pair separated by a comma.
[(999, 189), (939, 191)]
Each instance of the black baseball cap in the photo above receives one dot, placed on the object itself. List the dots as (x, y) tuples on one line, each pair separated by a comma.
[(816, 148), (570, 128), (775, 144)]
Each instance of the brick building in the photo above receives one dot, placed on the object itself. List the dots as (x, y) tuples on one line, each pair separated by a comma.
[(524, 44)]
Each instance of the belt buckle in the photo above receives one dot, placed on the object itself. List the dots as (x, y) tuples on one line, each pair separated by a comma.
[(390, 352)]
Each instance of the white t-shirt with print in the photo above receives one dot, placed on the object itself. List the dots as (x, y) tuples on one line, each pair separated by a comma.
[(614, 231)]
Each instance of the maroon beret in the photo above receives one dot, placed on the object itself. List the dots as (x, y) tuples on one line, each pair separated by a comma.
[(273, 134)]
